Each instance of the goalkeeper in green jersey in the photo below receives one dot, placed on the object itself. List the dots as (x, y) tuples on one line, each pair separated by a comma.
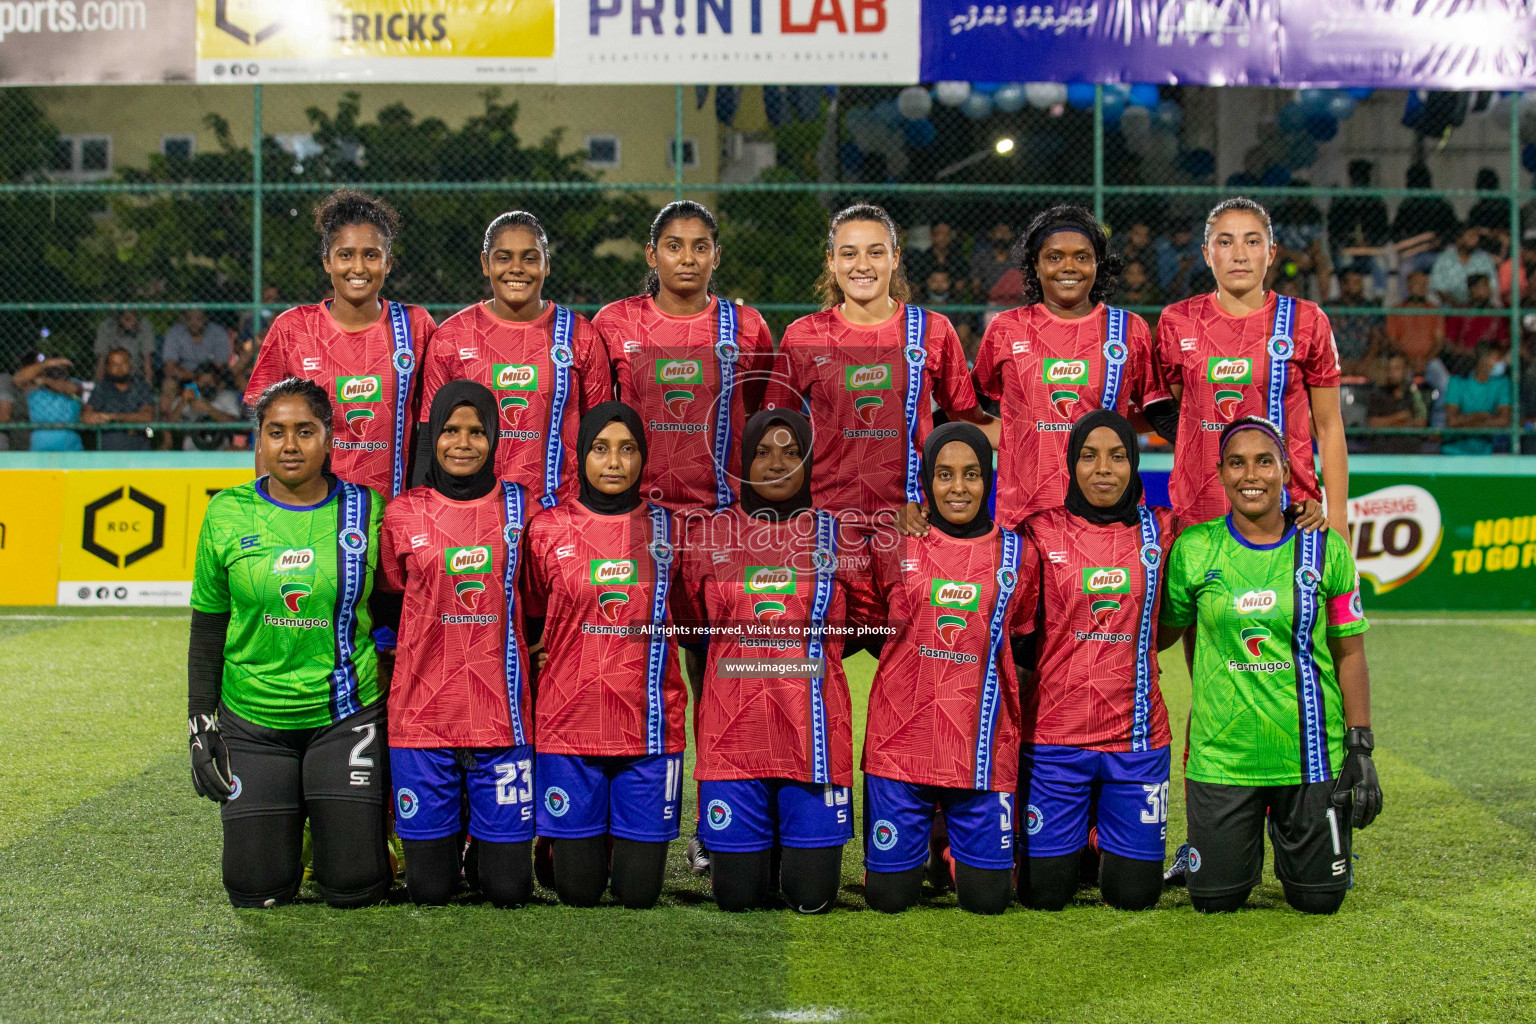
[(284, 699), (1280, 729)]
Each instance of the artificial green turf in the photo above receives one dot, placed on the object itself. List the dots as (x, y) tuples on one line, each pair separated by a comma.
[(111, 907)]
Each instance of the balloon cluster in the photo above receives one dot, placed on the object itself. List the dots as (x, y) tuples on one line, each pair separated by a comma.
[(979, 100), (1311, 118)]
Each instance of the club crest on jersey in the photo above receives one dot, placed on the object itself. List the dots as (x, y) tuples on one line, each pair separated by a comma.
[(610, 603), (915, 355), (406, 804), (1151, 556), (358, 420), (468, 592), (718, 814), (1227, 402), (952, 594), (292, 593), (1115, 351), (353, 541), (727, 352), (459, 561), (679, 371), (1106, 580), (1102, 609), (1254, 602), (677, 400), (883, 835), (1034, 821), (1281, 347), (293, 560), (512, 534), (950, 627), (557, 801), (768, 611), (404, 360), (1253, 638), (661, 552), (1228, 371), (1307, 578), (1063, 401), (561, 355), (866, 407), (876, 376), (1065, 371), (358, 389), (770, 579), (1006, 578), (823, 561)]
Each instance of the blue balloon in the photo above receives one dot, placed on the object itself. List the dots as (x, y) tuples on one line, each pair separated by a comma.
[(1322, 127), (1301, 151), (1360, 92), (1198, 163), (1114, 105), (1314, 99), (1080, 95), (1275, 177), (1341, 106), (1168, 117), (1144, 95), (852, 159), (1291, 119), (1528, 157), (887, 113), (986, 88), (920, 133)]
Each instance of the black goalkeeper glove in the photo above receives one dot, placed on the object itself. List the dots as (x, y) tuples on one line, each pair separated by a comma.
[(1358, 779), (211, 776)]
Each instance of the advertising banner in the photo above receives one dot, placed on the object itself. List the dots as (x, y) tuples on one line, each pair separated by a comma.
[(95, 42), (764, 42), (245, 41)]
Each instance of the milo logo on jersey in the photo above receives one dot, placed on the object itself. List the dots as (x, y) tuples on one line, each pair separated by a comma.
[(1253, 638), (613, 572), (517, 379), (1098, 583), (679, 371), (293, 560), (458, 561), (350, 390), (769, 585), (1254, 602), (1228, 371), (1064, 371), (963, 597)]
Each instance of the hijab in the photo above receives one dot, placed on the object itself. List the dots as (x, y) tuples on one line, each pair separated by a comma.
[(1124, 510), (592, 424), (966, 434), (753, 503), (448, 398)]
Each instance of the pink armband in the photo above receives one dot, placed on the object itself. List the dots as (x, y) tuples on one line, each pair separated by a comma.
[(1345, 609)]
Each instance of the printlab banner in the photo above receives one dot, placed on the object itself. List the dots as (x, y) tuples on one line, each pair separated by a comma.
[(1406, 44), (739, 41), (245, 41), (94, 42)]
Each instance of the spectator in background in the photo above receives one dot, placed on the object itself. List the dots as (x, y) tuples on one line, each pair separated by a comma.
[(1418, 216), (1448, 276), (120, 396), (1477, 399), (126, 330), (943, 253), (190, 342), (1395, 402), (1138, 246), (8, 407), (939, 293), (1358, 336), (989, 264), (209, 398), (1491, 213), (52, 397), (1527, 267), (1179, 260), (1358, 225), (1419, 337), (1300, 252), (1137, 287), (1463, 333)]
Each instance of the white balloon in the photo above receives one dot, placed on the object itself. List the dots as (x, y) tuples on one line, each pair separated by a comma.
[(977, 106), (1136, 123), (1043, 95), (952, 94), (1010, 99), (914, 102)]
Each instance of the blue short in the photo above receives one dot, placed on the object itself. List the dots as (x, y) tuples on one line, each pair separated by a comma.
[(747, 815), (898, 816), (432, 785), (1057, 785), (625, 797)]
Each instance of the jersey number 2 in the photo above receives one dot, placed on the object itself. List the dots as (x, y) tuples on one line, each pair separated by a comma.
[(358, 758)]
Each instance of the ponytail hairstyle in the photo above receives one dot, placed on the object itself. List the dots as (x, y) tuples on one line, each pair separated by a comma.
[(515, 219), (347, 206), (827, 289), (1238, 203), (1026, 252), (681, 209), (296, 387)]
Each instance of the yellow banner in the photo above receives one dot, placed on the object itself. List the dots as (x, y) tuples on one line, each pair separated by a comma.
[(30, 504), (375, 40)]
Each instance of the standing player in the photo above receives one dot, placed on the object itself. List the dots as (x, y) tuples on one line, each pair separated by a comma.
[(693, 365), (1060, 356), (283, 692), (1280, 727), (545, 364), (944, 707), (775, 753), (609, 715), (1244, 351), (1096, 731), (365, 351), (460, 713)]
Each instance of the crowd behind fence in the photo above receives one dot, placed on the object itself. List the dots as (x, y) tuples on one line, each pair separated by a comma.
[(132, 306)]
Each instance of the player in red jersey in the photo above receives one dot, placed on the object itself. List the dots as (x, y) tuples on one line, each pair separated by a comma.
[(460, 722), (1245, 351), (365, 351), (775, 752), (1096, 730), (866, 370), (545, 363), (693, 365), (609, 705), (944, 708), (1061, 355)]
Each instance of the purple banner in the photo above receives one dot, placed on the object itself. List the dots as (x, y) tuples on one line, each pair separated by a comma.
[(1417, 44)]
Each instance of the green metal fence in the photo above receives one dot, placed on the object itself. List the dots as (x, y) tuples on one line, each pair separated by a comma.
[(211, 230)]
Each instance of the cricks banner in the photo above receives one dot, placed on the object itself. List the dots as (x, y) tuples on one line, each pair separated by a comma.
[(245, 41)]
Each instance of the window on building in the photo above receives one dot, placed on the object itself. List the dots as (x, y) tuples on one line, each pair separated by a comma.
[(178, 147), (603, 151), (82, 157), (690, 152)]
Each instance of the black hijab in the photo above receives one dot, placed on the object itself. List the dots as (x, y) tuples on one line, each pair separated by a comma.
[(969, 435), (592, 424), (448, 398), (754, 504), (1124, 510)]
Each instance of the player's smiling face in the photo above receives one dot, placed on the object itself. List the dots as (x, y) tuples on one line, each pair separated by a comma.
[(516, 267), (1239, 251), (1103, 468), (463, 446), (958, 484), (613, 463), (1253, 473), (358, 263), (863, 258), (294, 443), (778, 467), (684, 256), (1067, 267)]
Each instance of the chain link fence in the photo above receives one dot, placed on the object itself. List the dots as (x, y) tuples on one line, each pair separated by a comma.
[(1403, 216)]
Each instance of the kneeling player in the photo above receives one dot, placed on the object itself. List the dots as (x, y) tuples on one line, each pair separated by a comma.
[(1280, 722), (459, 727), (609, 712), (1096, 731), (944, 708)]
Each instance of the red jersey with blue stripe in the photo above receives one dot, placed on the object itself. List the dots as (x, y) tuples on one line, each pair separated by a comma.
[(944, 706), (672, 370), (461, 668), (612, 685), (1096, 643)]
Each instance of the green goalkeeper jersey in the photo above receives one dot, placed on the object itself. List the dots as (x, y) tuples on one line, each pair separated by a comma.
[(1266, 704), (295, 582)]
